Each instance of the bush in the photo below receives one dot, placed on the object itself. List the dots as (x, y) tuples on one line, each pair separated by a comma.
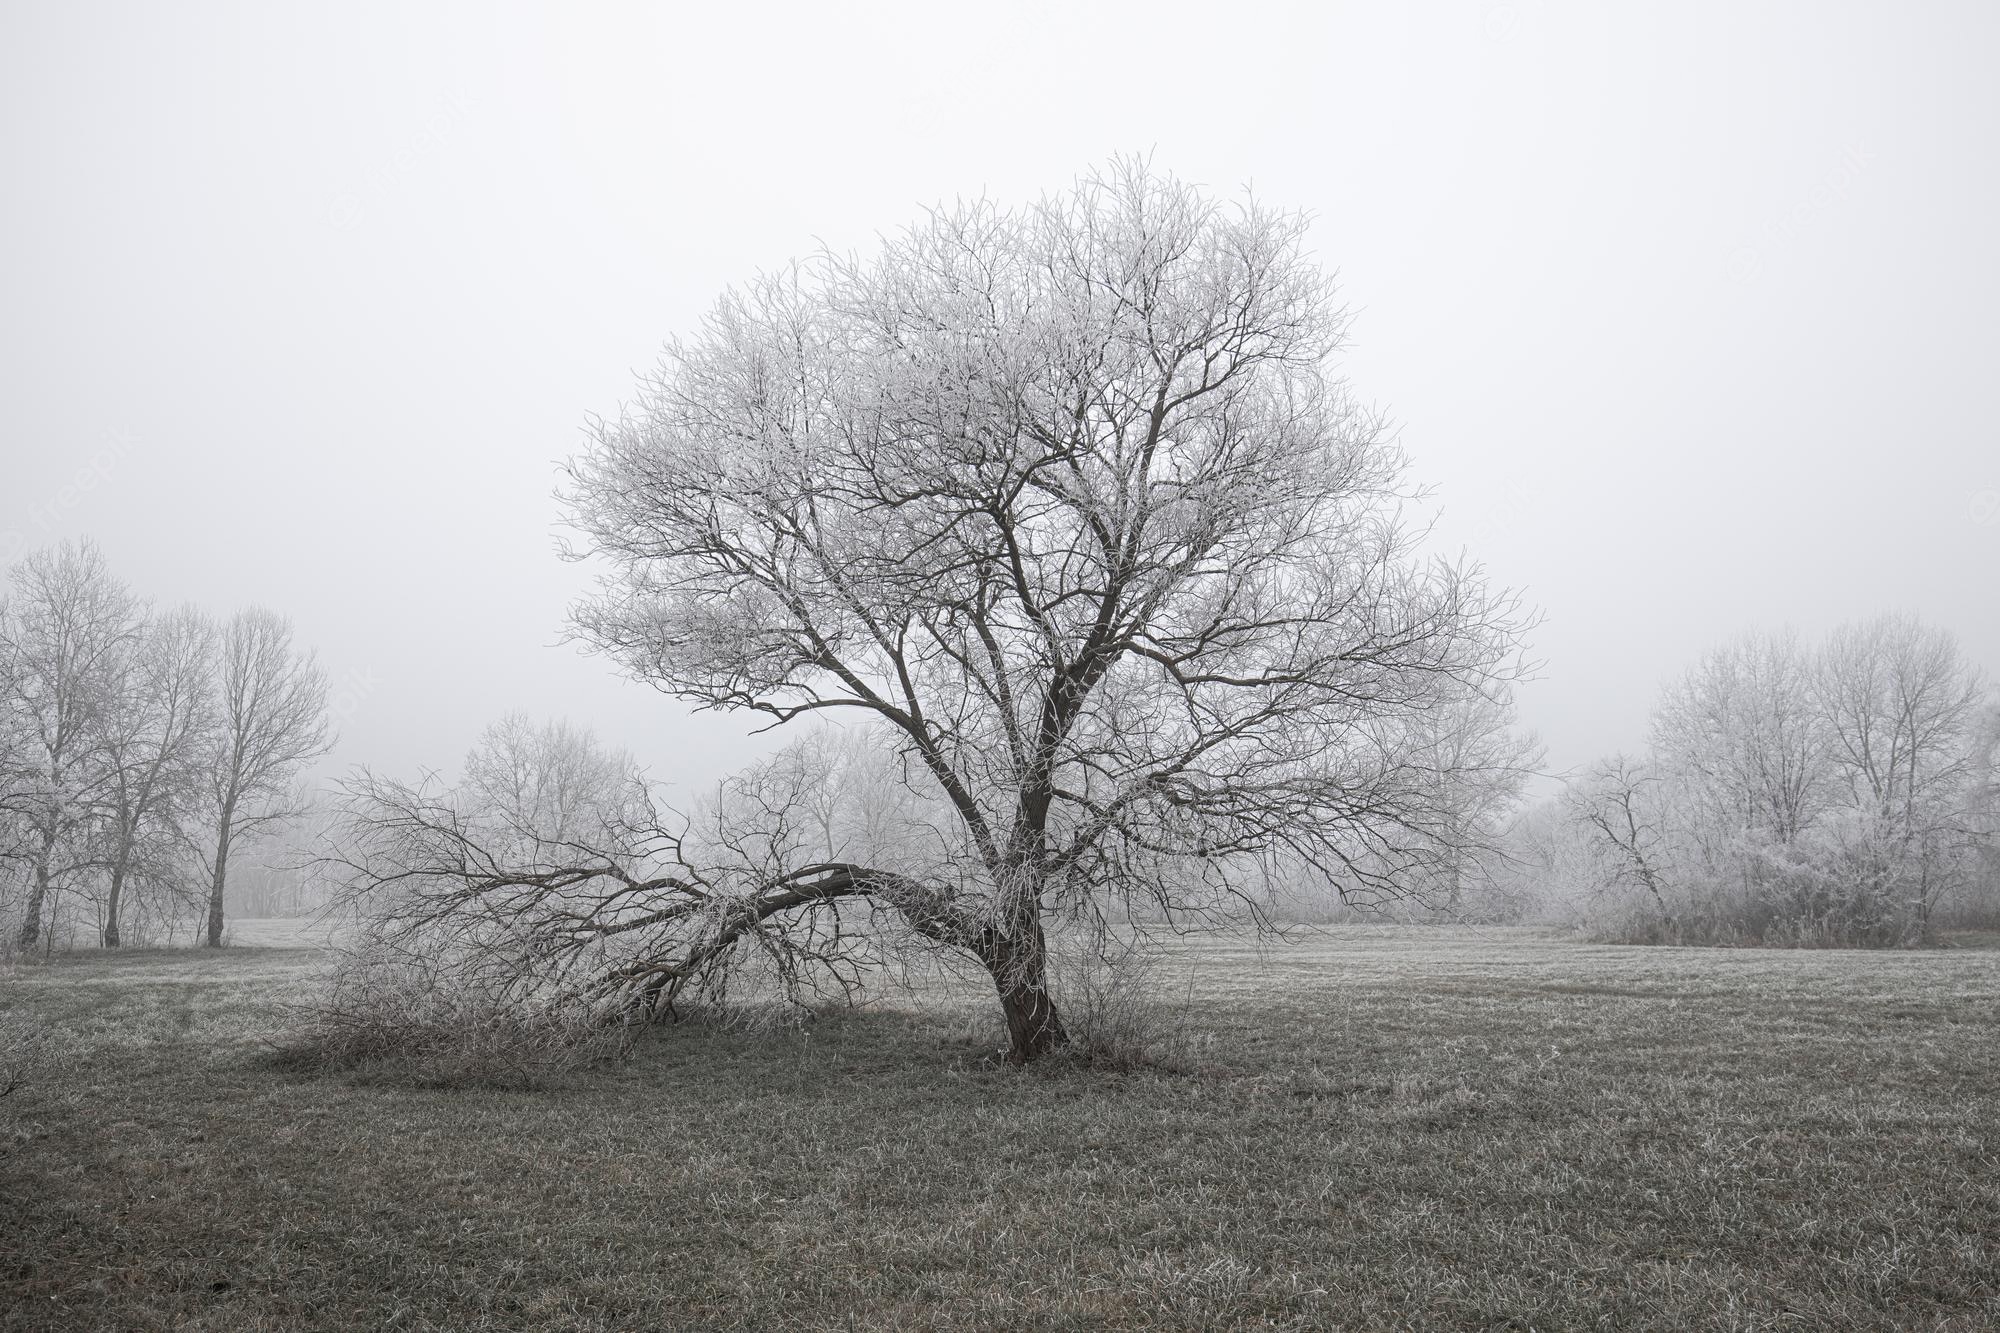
[(396, 1019), (1796, 911), (1115, 1005)]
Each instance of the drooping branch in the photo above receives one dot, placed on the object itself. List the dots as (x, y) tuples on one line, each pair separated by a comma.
[(612, 902)]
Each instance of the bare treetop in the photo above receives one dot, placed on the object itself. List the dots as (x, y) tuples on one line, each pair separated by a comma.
[(272, 722), (65, 631), (1071, 499)]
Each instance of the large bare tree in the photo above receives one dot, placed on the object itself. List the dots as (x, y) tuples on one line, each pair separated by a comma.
[(68, 625), (271, 721), (156, 734), (1067, 509)]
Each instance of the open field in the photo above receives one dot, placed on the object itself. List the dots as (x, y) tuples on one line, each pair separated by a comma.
[(1368, 1129)]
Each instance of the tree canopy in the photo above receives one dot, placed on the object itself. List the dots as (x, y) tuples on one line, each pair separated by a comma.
[(1067, 507)]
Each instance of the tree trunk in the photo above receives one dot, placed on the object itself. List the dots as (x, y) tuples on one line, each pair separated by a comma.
[(1020, 975), (111, 907), (219, 879), (111, 900), (38, 892)]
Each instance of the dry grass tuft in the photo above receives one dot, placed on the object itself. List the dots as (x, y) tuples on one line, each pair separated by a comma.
[(394, 1021), (24, 1050)]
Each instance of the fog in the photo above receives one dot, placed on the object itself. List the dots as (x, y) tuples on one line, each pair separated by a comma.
[(1685, 316)]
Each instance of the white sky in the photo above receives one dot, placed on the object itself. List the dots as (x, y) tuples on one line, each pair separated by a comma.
[(1689, 314)]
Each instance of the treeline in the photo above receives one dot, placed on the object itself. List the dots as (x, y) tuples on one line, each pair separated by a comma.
[(1838, 793), (142, 751)]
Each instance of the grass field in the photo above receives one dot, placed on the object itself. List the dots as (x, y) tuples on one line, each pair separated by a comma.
[(1368, 1129)]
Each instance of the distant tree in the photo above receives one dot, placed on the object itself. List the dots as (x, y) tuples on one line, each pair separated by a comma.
[(1901, 708), (1982, 804), (67, 627), (1742, 730), (15, 749), (1550, 869), (1469, 748), (1618, 801), (270, 722), (276, 875), (1065, 507), (157, 725), (554, 781), (1827, 794)]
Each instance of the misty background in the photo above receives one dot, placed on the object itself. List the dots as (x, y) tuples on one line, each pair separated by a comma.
[(1687, 316)]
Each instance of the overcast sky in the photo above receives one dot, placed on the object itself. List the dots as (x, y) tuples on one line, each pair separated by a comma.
[(1689, 315)]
